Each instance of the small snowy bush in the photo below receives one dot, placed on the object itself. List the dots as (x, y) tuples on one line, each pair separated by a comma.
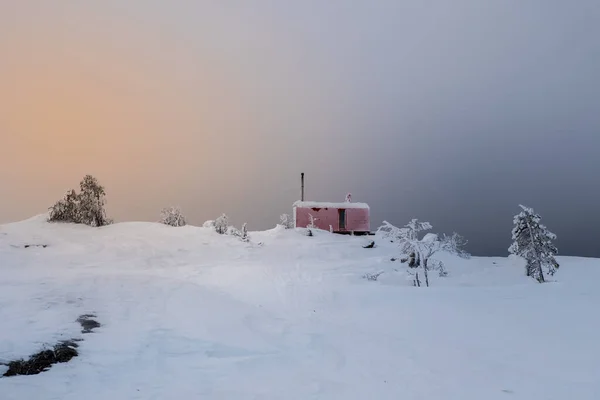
[(286, 221), (222, 224), (372, 276), (454, 244), (240, 234), (209, 224), (312, 220), (244, 237), (87, 207), (172, 216)]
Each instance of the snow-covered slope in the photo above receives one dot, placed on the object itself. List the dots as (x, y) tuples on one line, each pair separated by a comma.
[(189, 314)]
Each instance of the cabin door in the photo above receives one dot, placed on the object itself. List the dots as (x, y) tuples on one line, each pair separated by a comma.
[(342, 219)]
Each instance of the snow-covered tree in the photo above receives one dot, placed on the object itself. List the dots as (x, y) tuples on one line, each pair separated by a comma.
[(65, 210), (87, 207), (222, 224), (286, 221), (418, 250), (533, 242), (91, 202), (172, 216), (209, 224)]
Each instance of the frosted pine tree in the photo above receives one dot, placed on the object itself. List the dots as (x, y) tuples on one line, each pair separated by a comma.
[(533, 242), (222, 224)]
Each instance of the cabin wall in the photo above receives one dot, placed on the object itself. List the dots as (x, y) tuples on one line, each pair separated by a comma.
[(357, 219), (325, 217)]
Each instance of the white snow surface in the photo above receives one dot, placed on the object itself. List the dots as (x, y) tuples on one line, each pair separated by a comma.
[(322, 204), (190, 314)]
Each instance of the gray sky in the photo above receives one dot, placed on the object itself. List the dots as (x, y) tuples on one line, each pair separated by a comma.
[(449, 111)]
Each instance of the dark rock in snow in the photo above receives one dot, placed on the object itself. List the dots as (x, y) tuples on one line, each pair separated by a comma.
[(62, 352), (87, 323), (42, 361)]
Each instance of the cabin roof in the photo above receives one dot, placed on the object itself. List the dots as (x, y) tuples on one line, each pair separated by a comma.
[(322, 204)]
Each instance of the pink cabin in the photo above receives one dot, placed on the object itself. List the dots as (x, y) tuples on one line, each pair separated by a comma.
[(344, 217)]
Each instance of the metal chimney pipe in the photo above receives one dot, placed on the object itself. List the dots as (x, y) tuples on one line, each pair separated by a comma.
[(302, 186)]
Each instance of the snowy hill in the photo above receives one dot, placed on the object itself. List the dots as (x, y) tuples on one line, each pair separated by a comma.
[(188, 314)]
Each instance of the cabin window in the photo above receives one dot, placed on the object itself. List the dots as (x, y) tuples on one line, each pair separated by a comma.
[(342, 218)]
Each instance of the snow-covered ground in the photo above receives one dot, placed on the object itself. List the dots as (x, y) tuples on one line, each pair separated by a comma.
[(189, 314)]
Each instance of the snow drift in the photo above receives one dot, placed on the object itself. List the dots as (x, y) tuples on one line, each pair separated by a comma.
[(189, 313)]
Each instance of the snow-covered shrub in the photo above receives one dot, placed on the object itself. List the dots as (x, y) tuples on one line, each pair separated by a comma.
[(172, 216), (286, 221), (209, 224), (87, 207), (312, 220), (418, 251), (244, 237), (240, 234), (533, 242), (65, 210), (222, 224), (311, 225), (372, 276), (454, 244)]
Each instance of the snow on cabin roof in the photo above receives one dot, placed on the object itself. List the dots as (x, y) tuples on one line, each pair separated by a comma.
[(322, 204)]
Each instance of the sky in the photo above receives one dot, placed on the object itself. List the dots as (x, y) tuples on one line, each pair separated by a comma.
[(453, 112)]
